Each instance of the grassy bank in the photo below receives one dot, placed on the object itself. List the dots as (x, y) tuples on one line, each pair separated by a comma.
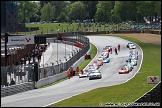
[(126, 92), (50, 28)]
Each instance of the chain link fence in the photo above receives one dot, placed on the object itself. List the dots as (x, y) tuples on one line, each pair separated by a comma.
[(17, 74)]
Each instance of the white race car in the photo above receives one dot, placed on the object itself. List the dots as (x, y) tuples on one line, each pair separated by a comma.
[(131, 45), (95, 75), (85, 74)]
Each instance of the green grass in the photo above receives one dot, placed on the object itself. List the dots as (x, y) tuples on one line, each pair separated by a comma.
[(85, 63), (82, 66), (126, 92), (51, 28)]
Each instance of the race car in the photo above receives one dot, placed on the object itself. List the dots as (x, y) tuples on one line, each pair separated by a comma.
[(103, 59), (94, 66), (134, 62), (105, 50), (106, 60), (96, 74), (105, 54), (108, 47), (123, 70), (133, 56), (100, 58), (90, 70), (99, 62), (85, 74), (131, 45), (129, 65)]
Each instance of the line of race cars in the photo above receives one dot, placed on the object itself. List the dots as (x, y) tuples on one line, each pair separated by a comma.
[(132, 59), (92, 72)]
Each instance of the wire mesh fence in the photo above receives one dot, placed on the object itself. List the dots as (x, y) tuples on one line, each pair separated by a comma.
[(17, 74)]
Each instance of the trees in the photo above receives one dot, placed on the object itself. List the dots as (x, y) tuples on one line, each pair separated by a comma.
[(42, 3), (101, 11), (62, 17), (158, 7), (90, 7), (76, 11), (149, 8), (104, 9), (58, 7), (47, 13), (124, 10), (26, 10)]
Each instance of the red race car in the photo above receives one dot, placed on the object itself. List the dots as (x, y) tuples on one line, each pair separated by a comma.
[(123, 70), (99, 62), (94, 65)]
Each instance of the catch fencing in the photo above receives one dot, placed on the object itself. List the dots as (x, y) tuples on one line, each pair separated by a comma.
[(24, 74)]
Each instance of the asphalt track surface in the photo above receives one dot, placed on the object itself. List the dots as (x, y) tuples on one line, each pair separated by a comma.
[(45, 96)]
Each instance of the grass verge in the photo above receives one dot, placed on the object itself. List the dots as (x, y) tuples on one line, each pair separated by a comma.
[(126, 92)]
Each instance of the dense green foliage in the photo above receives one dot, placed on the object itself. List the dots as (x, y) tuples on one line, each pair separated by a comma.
[(100, 11), (47, 12), (27, 10)]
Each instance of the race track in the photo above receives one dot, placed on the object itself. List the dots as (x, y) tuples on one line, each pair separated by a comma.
[(68, 88)]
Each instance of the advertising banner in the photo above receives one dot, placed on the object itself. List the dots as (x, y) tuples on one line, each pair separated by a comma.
[(16, 40), (152, 79)]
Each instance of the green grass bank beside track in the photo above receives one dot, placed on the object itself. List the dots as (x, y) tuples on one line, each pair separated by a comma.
[(126, 92), (50, 28)]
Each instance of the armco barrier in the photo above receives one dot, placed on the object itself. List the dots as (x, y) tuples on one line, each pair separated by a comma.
[(9, 90), (51, 79)]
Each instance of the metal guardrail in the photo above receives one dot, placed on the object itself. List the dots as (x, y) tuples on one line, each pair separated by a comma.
[(24, 77)]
